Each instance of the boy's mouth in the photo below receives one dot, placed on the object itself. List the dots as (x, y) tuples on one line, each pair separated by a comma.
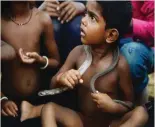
[(82, 32)]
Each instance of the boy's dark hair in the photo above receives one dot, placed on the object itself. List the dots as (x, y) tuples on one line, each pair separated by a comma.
[(117, 14), (6, 8)]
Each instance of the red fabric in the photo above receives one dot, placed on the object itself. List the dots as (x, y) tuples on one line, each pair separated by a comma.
[(143, 21)]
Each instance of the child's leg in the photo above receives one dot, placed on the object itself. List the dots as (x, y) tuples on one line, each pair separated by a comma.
[(29, 111), (53, 114), (136, 118)]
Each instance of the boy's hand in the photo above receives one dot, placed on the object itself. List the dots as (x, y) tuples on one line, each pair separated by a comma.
[(9, 108), (51, 7), (69, 9), (103, 101), (70, 78), (29, 57)]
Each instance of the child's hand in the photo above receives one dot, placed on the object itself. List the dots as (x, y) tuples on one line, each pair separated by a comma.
[(70, 78), (103, 101), (9, 108), (51, 7), (69, 9), (29, 57)]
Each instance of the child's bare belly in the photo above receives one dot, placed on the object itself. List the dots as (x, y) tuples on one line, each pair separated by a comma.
[(90, 114), (96, 120), (20, 82)]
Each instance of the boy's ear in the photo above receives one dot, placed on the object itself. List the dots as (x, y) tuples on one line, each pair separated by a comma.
[(111, 35)]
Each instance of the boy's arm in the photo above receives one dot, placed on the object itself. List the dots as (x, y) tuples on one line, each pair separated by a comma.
[(126, 87), (50, 43), (70, 63), (7, 51)]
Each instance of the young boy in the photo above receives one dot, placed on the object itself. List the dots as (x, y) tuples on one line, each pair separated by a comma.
[(103, 25), (22, 27)]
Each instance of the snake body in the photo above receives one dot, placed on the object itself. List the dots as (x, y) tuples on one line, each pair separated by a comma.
[(83, 68)]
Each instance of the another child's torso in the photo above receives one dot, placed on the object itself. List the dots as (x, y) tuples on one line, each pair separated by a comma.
[(19, 79)]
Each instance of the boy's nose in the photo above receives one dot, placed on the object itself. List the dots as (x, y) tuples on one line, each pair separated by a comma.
[(84, 21)]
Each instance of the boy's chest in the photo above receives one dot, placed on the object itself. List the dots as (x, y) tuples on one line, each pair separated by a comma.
[(106, 83), (26, 36)]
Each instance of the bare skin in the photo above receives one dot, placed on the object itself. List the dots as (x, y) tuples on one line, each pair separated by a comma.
[(7, 52), (107, 84), (65, 11), (96, 109), (136, 118), (21, 76)]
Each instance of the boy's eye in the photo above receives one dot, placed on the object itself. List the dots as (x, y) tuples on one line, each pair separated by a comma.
[(93, 18)]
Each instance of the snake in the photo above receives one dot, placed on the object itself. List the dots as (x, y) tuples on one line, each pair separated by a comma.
[(83, 68)]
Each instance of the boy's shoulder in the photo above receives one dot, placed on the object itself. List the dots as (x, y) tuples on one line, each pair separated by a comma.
[(42, 16), (78, 49), (122, 64)]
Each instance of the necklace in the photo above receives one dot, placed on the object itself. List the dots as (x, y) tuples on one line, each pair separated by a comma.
[(21, 24)]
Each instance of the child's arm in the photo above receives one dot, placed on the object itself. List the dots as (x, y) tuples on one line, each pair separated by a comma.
[(52, 61), (50, 42), (69, 64), (7, 51), (125, 85), (8, 107)]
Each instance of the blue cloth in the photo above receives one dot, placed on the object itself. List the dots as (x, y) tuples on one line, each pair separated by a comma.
[(141, 61), (67, 35)]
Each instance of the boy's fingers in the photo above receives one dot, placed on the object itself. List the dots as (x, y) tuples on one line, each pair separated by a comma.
[(69, 14), (30, 60), (52, 4), (77, 73), (15, 106), (71, 80), (68, 84), (81, 81), (94, 95), (49, 9), (72, 74), (95, 100), (22, 55), (53, 14), (4, 113), (10, 112), (12, 109), (63, 4), (64, 12), (31, 54), (65, 18)]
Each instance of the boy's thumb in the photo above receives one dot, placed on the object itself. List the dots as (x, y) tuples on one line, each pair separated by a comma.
[(81, 81)]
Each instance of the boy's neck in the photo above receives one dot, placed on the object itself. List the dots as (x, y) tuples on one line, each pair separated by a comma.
[(100, 51), (20, 9)]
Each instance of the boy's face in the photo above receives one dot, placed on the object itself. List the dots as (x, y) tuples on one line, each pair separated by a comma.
[(93, 25)]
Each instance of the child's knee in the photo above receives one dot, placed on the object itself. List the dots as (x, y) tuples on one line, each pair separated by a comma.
[(48, 109), (74, 121), (140, 114), (139, 117)]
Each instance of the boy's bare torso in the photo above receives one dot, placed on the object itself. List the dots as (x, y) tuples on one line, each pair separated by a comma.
[(93, 116), (21, 80)]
